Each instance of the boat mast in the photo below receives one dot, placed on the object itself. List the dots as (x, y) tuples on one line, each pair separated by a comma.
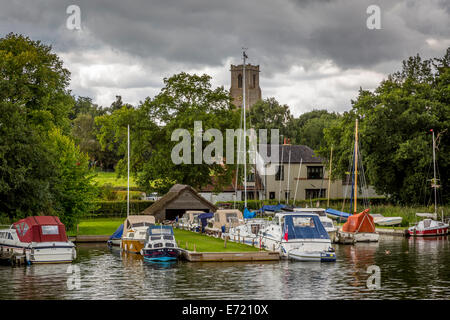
[(356, 168), (288, 176), (329, 178), (244, 56), (434, 175), (128, 172)]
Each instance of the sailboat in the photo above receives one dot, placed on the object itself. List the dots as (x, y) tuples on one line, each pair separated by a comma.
[(360, 227), (135, 226), (429, 226)]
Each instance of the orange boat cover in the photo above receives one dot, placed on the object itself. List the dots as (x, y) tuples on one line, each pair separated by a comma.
[(361, 222)]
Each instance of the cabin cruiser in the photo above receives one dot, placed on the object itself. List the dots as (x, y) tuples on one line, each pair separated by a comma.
[(298, 236), (428, 226), (223, 220), (135, 231), (248, 232), (160, 244), (42, 239), (116, 238), (189, 220), (381, 220), (326, 221)]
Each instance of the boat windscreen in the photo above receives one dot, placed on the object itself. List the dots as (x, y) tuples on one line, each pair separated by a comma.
[(160, 230), (304, 227)]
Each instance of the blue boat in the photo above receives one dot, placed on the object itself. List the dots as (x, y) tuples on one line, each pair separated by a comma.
[(160, 244), (337, 215), (116, 237)]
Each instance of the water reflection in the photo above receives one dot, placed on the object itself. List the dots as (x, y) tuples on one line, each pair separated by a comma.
[(410, 269)]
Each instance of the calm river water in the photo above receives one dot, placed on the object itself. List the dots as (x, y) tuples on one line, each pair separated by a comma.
[(410, 269)]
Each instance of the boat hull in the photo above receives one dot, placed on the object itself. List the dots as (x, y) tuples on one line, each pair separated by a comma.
[(315, 256), (351, 237), (388, 222), (132, 246), (164, 254), (43, 254), (430, 232)]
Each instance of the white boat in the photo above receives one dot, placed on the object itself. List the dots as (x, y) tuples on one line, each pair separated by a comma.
[(223, 220), (189, 220), (42, 239), (326, 221), (381, 220), (298, 236), (248, 232)]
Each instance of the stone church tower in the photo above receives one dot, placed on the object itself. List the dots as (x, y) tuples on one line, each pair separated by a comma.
[(253, 91)]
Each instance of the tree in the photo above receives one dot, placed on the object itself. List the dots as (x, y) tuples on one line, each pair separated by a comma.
[(184, 99), (35, 175), (270, 114), (395, 122)]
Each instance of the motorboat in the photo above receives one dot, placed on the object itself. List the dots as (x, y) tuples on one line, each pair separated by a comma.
[(298, 236), (160, 244), (42, 239), (135, 231), (381, 220), (428, 227), (247, 233), (326, 221), (189, 220), (223, 220)]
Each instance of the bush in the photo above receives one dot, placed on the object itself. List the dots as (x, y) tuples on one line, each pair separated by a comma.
[(119, 208)]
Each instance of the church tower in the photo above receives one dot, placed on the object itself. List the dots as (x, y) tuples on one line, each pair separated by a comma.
[(253, 91)]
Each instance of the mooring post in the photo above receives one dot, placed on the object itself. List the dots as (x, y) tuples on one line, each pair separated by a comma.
[(225, 242), (186, 245), (195, 248)]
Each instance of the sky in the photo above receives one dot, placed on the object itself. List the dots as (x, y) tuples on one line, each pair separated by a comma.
[(312, 54)]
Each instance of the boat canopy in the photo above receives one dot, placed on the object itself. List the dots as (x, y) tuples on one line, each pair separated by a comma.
[(40, 229), (135, 221), (277, 207), (248, 214), (361, 222), (338, 213), (204, 217), (118, 233), (304, 227), (159, 230)]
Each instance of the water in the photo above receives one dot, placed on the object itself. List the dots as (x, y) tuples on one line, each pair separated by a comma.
[(410, 269)]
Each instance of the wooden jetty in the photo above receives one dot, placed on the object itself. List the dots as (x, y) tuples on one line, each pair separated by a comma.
[(230, 256)]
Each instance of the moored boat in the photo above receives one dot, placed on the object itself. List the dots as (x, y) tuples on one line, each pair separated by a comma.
[(326, 221), (42, 239), (428, 227), (298, 236), (386, 221), (134, 232), (160, 244)]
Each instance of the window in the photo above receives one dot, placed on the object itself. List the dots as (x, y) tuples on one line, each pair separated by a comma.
[(287, 195), (251, 177), (280, 173), (158, 245), (50, 230), (271, 195), (239, 80), (168, 238), (315, 172), (315, 193), (254, 81), (303, 222), (169, 245)]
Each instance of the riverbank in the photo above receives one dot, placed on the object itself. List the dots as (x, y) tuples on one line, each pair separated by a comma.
[(99, 230)]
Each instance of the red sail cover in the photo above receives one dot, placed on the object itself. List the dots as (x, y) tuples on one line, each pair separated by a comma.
[(361, 222), (40, 229)]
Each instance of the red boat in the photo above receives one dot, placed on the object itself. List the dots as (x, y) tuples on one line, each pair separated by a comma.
[(429, 227)]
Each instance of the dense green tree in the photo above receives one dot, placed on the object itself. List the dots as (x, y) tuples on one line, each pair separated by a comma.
[(84, 105), (35, 175), (395, 122)]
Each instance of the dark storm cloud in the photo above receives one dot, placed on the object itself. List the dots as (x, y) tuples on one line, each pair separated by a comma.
[(162, 35)]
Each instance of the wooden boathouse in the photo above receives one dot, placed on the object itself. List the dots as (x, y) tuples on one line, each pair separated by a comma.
[(176, 202)]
